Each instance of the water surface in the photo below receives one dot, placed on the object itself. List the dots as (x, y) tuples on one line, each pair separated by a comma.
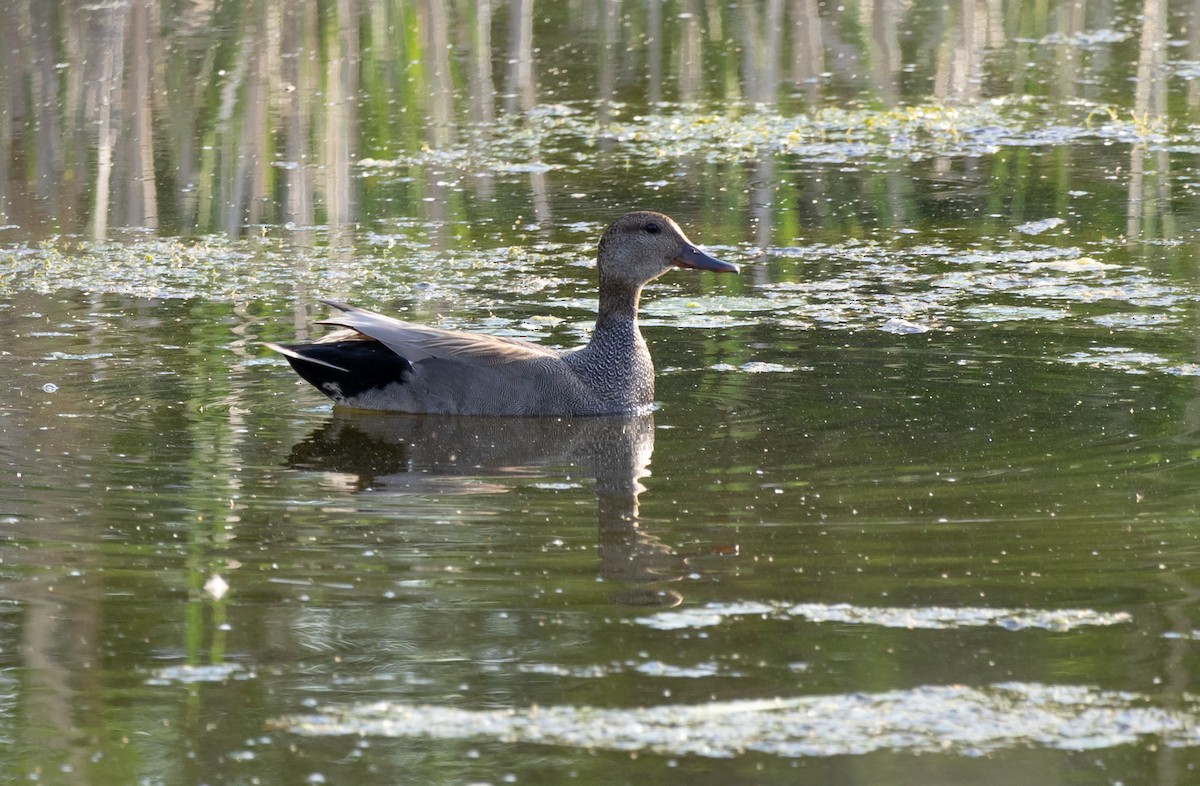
[(917, 504)]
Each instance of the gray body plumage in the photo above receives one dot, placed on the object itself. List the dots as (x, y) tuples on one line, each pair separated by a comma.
[(541, 385), (382, 363)]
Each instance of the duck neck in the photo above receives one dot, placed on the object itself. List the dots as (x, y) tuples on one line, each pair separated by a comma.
[(618, 302), (616, 362)]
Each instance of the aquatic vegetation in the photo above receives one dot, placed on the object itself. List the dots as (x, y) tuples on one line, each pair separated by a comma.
[(755, 367), (1132, 361), (551, 140), (223, 269), (970, 721), (186, 674), (922, 618), (543, 289), (1082, 38)]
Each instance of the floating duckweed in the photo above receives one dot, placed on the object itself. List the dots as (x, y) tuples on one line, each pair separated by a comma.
[(868, 284), (223, 269), (959, 719), (755, 367), (550, 140), (927, 618), (186, 674), (1131, 361)]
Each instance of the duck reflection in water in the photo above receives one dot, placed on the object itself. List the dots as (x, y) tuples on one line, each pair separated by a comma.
[(390, 453)]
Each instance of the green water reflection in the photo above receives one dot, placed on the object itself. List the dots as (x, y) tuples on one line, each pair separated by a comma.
[(919, 501)]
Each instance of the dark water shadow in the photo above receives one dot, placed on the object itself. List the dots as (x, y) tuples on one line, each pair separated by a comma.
[(403, 454)]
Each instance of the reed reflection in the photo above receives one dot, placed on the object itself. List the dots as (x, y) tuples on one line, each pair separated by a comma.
[(386, 453), (1149, 188), (223, 116)]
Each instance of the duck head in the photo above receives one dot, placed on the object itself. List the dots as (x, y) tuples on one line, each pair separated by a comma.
[(639, 247)]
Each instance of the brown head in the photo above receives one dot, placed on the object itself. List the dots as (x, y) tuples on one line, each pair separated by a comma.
[(641, 246)]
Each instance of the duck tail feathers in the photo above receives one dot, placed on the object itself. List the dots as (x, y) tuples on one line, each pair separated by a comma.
[(293, 353)]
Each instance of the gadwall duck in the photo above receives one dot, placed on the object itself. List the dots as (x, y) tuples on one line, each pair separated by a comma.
[(382, 363)]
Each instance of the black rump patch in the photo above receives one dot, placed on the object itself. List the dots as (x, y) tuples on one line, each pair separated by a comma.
[(368, 364)]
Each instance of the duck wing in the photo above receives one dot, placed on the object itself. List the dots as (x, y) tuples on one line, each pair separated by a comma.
[(415, 343)]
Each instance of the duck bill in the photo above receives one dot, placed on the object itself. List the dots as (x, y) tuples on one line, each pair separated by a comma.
[(695, 258)]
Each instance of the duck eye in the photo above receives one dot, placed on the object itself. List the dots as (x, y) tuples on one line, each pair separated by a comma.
[(653, 228)]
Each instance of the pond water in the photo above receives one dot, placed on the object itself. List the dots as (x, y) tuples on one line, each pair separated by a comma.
[(918, 503)]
